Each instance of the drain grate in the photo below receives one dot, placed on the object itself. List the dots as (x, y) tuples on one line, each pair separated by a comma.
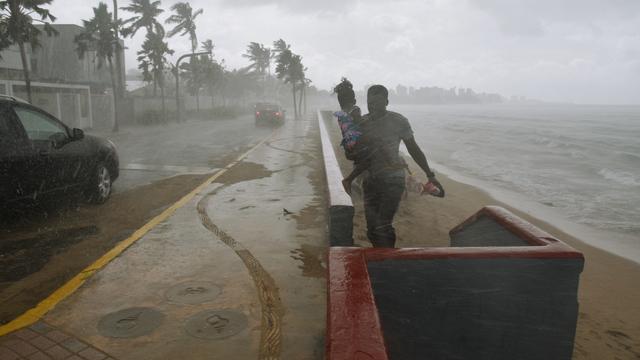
[(216, 324), (130, 323), (193, 292)]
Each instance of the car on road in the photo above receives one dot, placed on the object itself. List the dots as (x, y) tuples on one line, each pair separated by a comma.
[(269, 114), (42, 158)]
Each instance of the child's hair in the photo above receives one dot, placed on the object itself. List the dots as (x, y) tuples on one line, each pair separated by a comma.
[(345, 93)]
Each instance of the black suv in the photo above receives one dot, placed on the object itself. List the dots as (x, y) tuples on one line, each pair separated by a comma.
[(40, 157), (266, 113)]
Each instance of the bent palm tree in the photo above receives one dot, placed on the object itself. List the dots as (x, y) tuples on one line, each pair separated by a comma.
[(152, 57), (289, 68), (99, 36), (184, 20), (146, 16), (260, 59)]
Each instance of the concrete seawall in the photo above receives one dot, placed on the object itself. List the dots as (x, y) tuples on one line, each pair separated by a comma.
[(339, 204)]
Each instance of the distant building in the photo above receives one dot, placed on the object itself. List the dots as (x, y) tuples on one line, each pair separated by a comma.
[(62, 82)]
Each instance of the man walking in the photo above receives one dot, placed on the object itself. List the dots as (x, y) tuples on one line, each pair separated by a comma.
[(384, 181)]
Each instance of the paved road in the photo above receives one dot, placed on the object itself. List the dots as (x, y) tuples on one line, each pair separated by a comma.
[(195, 147), (236, 273), (43, 249)]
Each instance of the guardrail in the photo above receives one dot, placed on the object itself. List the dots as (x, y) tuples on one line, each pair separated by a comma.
[(508, 291), (340, 205)]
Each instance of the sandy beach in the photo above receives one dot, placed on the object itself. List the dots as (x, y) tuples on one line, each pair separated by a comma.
[(609, 297)]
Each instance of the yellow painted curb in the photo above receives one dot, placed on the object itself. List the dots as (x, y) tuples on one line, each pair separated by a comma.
[(34, 314)]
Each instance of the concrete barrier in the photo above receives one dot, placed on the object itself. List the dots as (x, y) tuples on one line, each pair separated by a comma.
[(340, 205), (513, 299)]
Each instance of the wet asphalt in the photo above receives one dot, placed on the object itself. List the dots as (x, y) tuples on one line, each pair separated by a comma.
[(237, 273), (150, 153), (43, 246)]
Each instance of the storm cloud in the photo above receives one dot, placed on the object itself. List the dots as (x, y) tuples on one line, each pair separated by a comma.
[(584, 51)]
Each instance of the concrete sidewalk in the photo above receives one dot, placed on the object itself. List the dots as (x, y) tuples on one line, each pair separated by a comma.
[(236, 273)]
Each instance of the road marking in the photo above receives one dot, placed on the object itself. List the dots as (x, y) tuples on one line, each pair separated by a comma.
[(36, 313), (172, 168)]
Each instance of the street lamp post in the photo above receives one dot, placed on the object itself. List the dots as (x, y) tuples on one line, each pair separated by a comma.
[(177, 68)]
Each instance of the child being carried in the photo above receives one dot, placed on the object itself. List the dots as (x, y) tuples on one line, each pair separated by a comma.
[(355, 145)]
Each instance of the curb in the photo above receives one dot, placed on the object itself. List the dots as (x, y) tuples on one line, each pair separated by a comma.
[(341, 209)]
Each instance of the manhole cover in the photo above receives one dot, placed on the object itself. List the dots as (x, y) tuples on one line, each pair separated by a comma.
[(130, 323), (193, 292), (216, 324)]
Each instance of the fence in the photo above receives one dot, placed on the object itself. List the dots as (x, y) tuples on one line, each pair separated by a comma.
[(70, 103)]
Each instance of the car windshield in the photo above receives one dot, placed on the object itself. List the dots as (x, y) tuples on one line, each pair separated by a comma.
[(339, 180)]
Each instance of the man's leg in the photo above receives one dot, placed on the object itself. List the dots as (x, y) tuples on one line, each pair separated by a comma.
[(371, 207), (389, 199)]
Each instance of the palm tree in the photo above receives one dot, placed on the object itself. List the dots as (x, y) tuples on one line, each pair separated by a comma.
[(260, 58), (4, 40), (296, 76), (146, 16), (184, 20), (17, 28), (119, 91), (99, 36), (307, 83), (207, 46), (289, 68), (211, 70), (152, 58), (283, 62)]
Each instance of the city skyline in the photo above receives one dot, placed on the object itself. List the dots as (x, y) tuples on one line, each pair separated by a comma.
[(577, 51)]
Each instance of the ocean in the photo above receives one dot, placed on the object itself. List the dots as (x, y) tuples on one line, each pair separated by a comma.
[(575, 166)]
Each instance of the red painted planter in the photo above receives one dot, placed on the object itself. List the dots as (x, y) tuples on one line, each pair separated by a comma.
[(354, 326)]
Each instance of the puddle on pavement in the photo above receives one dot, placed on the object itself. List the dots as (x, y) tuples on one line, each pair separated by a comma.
[(23, 257), (244, 171), (311, 216), (311, 258)]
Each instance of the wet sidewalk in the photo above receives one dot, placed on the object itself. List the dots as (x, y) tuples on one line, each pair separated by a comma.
[(236, 273)]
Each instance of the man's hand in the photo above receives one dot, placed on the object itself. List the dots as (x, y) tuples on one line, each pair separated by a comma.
[(434, 183)]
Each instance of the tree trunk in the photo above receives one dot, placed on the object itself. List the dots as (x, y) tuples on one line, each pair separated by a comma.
[(115, 98), (25, 70), (118, 51), (155, 86), (304, 94), (300, 100), (164, 107), (295, 104), (198, 100)]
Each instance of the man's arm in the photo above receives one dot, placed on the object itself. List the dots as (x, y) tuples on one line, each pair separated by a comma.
[(418, 156)]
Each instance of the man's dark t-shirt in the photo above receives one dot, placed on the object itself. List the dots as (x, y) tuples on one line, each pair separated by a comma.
[(385, 134)]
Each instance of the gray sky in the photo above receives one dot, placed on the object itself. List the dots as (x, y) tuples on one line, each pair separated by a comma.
[(583, 51)]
